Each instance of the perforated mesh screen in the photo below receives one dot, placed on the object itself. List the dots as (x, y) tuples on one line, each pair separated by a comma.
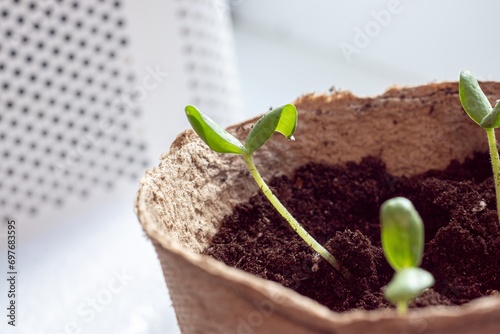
[(207, 48), (68, 105)]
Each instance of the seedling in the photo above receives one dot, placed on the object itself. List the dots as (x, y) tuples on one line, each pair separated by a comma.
[(403, 244), (283, 120), (479, 109)]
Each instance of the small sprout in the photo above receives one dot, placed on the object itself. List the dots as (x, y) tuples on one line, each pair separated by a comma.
[(402, 233), (479, 109), (283, 120)]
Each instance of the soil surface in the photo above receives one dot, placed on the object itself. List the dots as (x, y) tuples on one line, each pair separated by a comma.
[(339, 206)]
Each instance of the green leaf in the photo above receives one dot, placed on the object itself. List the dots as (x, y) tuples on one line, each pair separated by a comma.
[(402, 233), (492, 120), (212, 134), (282, 119), (408, 284), (473, 100)]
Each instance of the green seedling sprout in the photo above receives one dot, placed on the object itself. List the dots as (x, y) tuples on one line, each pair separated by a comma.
[(283, 120), (402, 233), (479, 109)]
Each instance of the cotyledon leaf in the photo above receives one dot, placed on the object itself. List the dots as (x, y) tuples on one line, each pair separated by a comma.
[(492, 120), (473, 100), (407, 284), (212, 134), (402, 233), (282, 119)]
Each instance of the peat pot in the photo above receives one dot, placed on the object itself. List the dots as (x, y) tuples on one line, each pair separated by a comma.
[(181, 203)]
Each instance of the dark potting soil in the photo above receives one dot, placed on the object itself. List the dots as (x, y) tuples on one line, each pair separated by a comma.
[(339, 206)]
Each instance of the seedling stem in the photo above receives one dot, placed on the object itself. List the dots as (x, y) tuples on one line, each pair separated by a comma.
[(402, 308), (294, 224), (495, 163)]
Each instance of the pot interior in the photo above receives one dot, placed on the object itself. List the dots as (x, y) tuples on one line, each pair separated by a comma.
[(411, 129)]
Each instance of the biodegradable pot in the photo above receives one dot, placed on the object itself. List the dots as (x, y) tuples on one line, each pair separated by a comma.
[(181, 203)]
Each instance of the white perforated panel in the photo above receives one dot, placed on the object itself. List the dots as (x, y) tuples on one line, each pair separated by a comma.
[(209, 59), (207, 49), (68, 104)]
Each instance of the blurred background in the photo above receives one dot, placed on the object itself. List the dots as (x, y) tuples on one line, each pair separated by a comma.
[(92, 92)]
